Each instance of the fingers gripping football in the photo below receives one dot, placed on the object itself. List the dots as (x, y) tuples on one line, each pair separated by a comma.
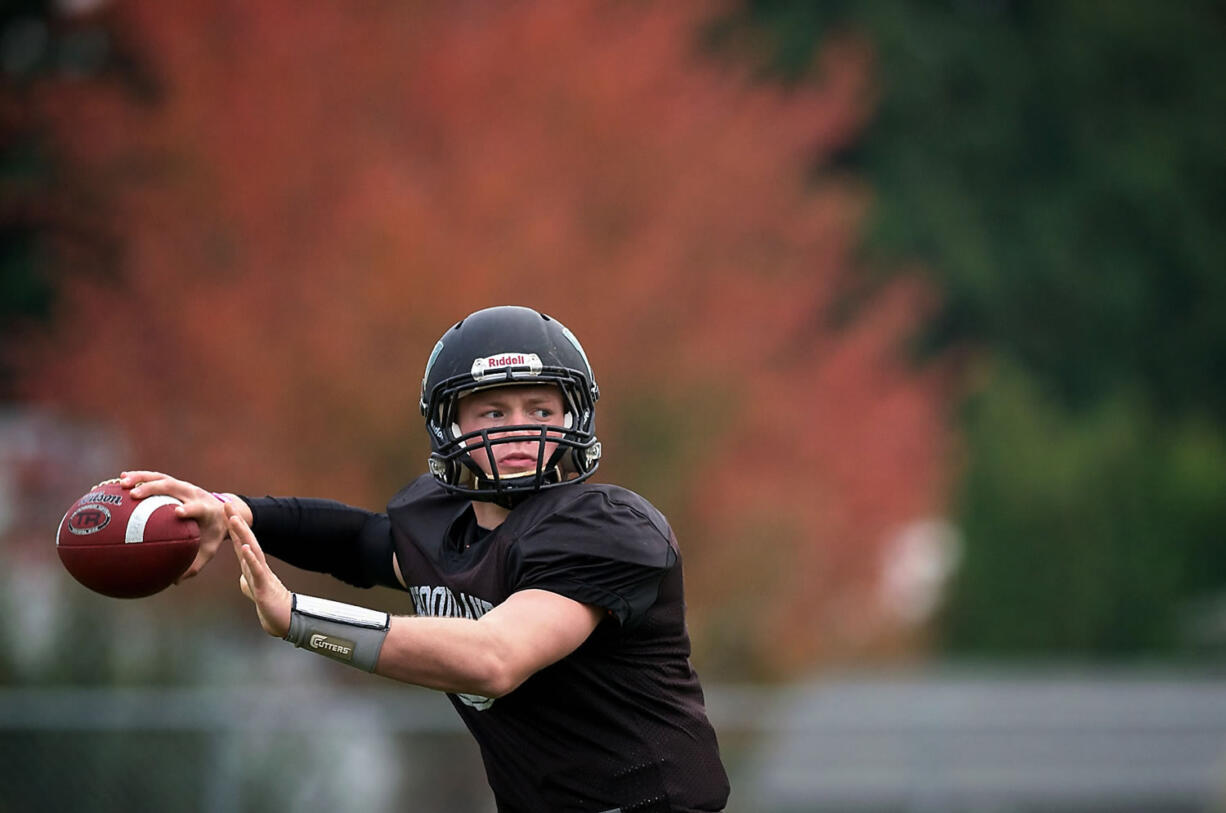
[(198, 504), (273, 602)]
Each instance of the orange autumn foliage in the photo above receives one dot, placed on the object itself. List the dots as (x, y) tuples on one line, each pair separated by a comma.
[(324, 188)]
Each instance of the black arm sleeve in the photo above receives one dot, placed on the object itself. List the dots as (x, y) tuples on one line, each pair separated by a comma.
[(325, 536)]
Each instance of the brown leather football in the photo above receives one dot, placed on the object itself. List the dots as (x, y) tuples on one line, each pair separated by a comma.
[(123, 547)]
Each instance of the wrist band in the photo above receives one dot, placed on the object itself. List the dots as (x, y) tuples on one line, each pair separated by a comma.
[(343, 632), (222, 497)]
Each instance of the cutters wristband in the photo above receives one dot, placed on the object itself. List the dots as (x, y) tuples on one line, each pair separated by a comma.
[(342, 632)]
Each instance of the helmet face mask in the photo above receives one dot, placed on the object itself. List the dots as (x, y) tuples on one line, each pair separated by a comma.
[(502, 347)]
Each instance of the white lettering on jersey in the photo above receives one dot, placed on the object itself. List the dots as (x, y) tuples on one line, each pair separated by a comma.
[(443, 602), (478, 701)]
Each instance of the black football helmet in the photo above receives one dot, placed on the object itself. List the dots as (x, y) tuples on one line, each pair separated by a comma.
[(500, 347)]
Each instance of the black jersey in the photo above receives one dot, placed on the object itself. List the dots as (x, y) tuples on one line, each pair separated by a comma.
[(618, 723)]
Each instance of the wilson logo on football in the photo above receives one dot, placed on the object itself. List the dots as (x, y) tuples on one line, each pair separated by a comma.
[(506, 362), (89, 519), (102, 496)]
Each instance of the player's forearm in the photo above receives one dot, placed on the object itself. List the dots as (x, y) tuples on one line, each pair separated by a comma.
[(449, 654), (490, 656)]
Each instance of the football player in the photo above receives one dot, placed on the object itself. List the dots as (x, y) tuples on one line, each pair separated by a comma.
[(549, 608)]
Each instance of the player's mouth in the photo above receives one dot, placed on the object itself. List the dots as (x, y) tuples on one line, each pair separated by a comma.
[(517, 461)]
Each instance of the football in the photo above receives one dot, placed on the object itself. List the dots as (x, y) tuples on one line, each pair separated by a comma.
[(123, 547)]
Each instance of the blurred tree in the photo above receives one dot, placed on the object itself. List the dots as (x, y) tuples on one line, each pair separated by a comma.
[(1056, 169), (47, 226), (322, 189), (1094, 533)]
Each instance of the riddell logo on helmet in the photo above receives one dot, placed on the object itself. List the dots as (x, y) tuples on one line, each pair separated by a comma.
[(506, 361)]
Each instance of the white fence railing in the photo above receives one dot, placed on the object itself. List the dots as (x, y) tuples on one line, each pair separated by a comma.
[(929, 742)]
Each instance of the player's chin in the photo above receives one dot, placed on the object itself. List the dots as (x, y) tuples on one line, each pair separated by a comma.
[(515, 472)]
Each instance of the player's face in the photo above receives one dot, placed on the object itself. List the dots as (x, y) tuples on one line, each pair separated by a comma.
[(534, 405)]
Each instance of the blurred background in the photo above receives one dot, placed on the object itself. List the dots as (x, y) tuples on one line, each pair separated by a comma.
[(909, 316)]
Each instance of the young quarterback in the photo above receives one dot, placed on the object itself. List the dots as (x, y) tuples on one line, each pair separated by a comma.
[(550, 609)]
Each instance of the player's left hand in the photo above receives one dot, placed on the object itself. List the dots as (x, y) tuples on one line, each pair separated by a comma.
[(273, 602)]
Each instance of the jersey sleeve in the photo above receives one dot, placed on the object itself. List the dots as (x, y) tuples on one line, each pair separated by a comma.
[(325, 536), (599, 551)]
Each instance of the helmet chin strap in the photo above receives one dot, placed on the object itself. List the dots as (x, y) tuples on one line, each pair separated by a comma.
[(491, 493), (484, 481), (487, 484), (514, 475)]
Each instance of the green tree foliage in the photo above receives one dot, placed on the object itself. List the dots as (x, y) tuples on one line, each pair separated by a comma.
[(1057, 169), (1092, 533)]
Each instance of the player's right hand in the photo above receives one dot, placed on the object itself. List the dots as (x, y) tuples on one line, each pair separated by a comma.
[(198, 504)]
